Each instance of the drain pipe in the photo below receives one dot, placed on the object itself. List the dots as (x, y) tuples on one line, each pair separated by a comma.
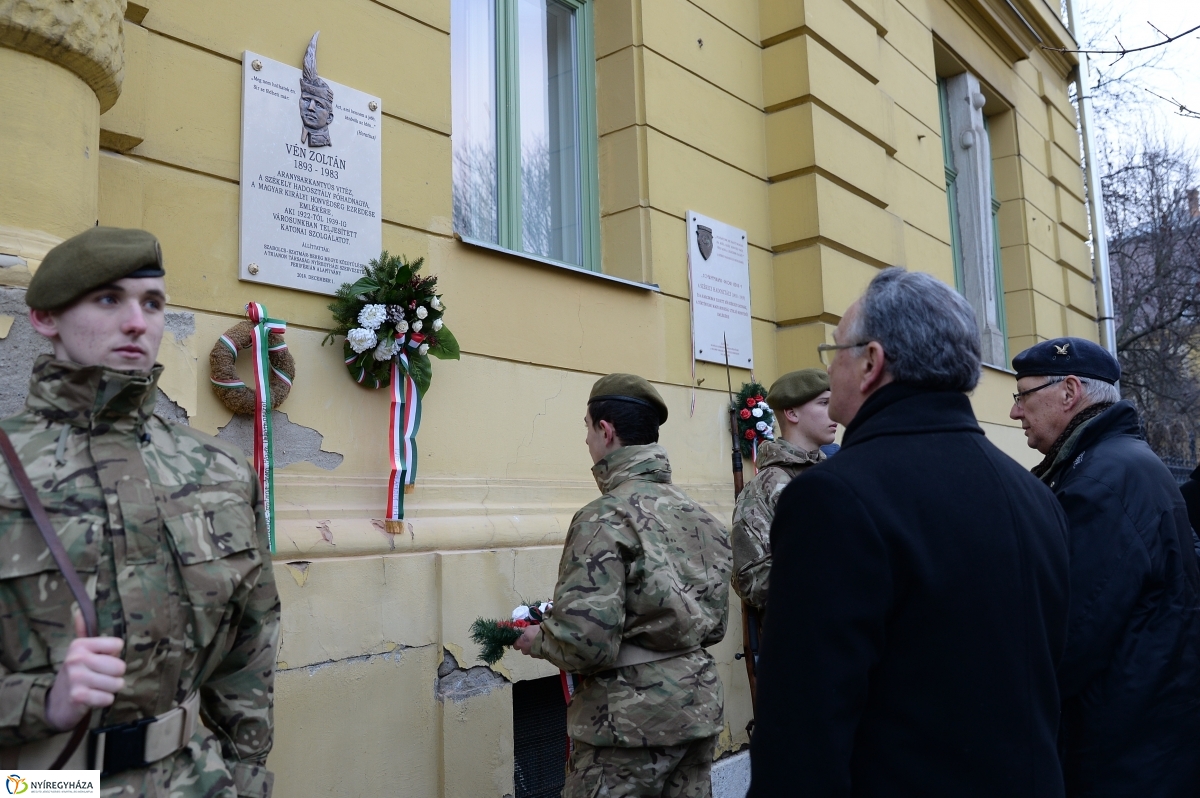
[(1103, 278)]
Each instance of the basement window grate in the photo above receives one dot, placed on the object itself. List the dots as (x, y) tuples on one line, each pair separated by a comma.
[(539, 737)]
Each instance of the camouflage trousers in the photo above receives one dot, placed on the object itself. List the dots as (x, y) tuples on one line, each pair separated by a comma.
[(671, 771)]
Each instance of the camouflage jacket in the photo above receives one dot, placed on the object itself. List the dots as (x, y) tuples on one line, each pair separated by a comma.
[(779, 462), (164, 525), (645, 564)]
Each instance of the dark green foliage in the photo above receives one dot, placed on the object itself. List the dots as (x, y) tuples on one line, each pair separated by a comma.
[(397, 284)]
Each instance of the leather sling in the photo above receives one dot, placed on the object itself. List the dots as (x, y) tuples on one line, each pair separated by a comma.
[(86, 607)]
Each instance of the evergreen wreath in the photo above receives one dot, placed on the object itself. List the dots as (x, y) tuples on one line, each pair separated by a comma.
[(496, 637), (390, 309), (755, 420)]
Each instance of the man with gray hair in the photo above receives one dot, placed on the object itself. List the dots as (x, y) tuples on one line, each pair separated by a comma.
[(919, 587), (1130, 676)]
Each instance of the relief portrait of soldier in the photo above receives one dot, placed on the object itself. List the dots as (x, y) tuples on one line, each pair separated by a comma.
[(316, 101), (643, 588), (162, 528)]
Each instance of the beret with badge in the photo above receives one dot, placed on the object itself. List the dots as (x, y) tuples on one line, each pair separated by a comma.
[(797, 388), (1062, 357), (93, 259), (629, 388)]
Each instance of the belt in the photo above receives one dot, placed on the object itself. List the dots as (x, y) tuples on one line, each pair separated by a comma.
[(114, 749), (629, 654)]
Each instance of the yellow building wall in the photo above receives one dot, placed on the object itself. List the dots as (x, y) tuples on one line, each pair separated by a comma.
[(812, 124)]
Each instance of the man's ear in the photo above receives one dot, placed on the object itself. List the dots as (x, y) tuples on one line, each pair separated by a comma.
[(874, 368), (1072, 393), (792, 414), (44, 323)]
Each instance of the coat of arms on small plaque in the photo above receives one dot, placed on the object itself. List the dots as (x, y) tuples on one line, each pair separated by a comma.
[(704, 240)]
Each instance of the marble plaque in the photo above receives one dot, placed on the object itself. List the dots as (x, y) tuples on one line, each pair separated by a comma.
[(311, 175), (719, 273)]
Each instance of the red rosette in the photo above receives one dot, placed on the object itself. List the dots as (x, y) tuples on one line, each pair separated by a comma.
[(744, 413), (751, 434), (750, 401)]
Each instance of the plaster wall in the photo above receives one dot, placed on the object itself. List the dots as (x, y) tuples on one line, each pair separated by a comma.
[(813, 125)]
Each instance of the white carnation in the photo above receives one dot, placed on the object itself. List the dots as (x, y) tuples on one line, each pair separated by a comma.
[(386, 350), (545, 607), (401, 327), (756, 412), (421, 312), (423, 349), (361, 340), (436, 303), (764, 405), (761, 426), (417, 325), (371, 316), (521, 614), (437, 325)]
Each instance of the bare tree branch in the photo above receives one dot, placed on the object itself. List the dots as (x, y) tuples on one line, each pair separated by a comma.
[(1124, 51), (1181, 109)]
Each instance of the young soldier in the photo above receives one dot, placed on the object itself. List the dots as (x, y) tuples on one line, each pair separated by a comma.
[(801, 404), (163, 523), (642, 588)]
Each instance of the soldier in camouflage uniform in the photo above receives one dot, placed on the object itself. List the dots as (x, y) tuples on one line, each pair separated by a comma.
[(642, 588), (164, 525), (801, 404)]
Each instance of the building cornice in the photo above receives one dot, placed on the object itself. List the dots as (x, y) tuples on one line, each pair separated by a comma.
[(83, 37)]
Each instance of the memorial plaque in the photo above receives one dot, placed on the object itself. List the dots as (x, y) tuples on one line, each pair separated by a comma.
[(719, 273), (311, 177)]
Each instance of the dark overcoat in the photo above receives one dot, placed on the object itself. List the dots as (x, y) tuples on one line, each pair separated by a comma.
[(1130, 677), (1191, 496), (919, 607)]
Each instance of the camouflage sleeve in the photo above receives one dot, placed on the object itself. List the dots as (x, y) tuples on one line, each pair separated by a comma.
[(584, 631), (239, 696), (23, 707), (751, 545)]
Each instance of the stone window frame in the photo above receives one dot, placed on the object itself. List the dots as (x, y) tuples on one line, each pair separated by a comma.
[(973, 208)]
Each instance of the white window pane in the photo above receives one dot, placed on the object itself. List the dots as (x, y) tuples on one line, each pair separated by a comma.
[(473, 94), (549, 119)]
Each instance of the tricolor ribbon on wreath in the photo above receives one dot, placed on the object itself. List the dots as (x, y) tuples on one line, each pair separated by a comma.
[(260, 336), (405, 420)]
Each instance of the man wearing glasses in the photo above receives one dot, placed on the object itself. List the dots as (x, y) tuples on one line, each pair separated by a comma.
[(1130, 676), (919, 585)]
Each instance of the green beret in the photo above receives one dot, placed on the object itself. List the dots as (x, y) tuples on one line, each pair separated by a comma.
[(94, 258), (629, 388), (797, 388)]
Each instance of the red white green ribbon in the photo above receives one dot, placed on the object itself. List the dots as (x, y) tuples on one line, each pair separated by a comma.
[(263, 456), (403, 425)]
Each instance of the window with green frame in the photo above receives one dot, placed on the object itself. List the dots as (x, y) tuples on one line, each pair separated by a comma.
[(524, 128)]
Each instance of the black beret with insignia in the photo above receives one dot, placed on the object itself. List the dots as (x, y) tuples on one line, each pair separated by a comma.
[(629, 388), (93, 259), (1063, 357)]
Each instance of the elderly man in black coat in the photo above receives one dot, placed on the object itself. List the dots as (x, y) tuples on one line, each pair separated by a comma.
[(1130, 677), (919, 590)]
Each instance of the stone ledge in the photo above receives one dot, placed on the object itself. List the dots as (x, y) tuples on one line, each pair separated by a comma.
[(83, 37)]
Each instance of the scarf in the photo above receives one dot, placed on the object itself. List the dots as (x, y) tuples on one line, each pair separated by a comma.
[(1042, 469)]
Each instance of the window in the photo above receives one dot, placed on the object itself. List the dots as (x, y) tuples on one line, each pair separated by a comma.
[(970, 195), (524, 139)]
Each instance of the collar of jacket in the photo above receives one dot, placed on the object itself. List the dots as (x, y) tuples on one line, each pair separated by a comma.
[(901, 409), (783, 453), (1120, 419), (90, 397), (647, 462)]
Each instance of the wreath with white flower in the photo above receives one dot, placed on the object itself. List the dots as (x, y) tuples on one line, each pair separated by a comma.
[(390, 309), (755, 421)]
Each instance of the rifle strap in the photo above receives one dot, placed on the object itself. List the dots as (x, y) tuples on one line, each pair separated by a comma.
[(86, 606)]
